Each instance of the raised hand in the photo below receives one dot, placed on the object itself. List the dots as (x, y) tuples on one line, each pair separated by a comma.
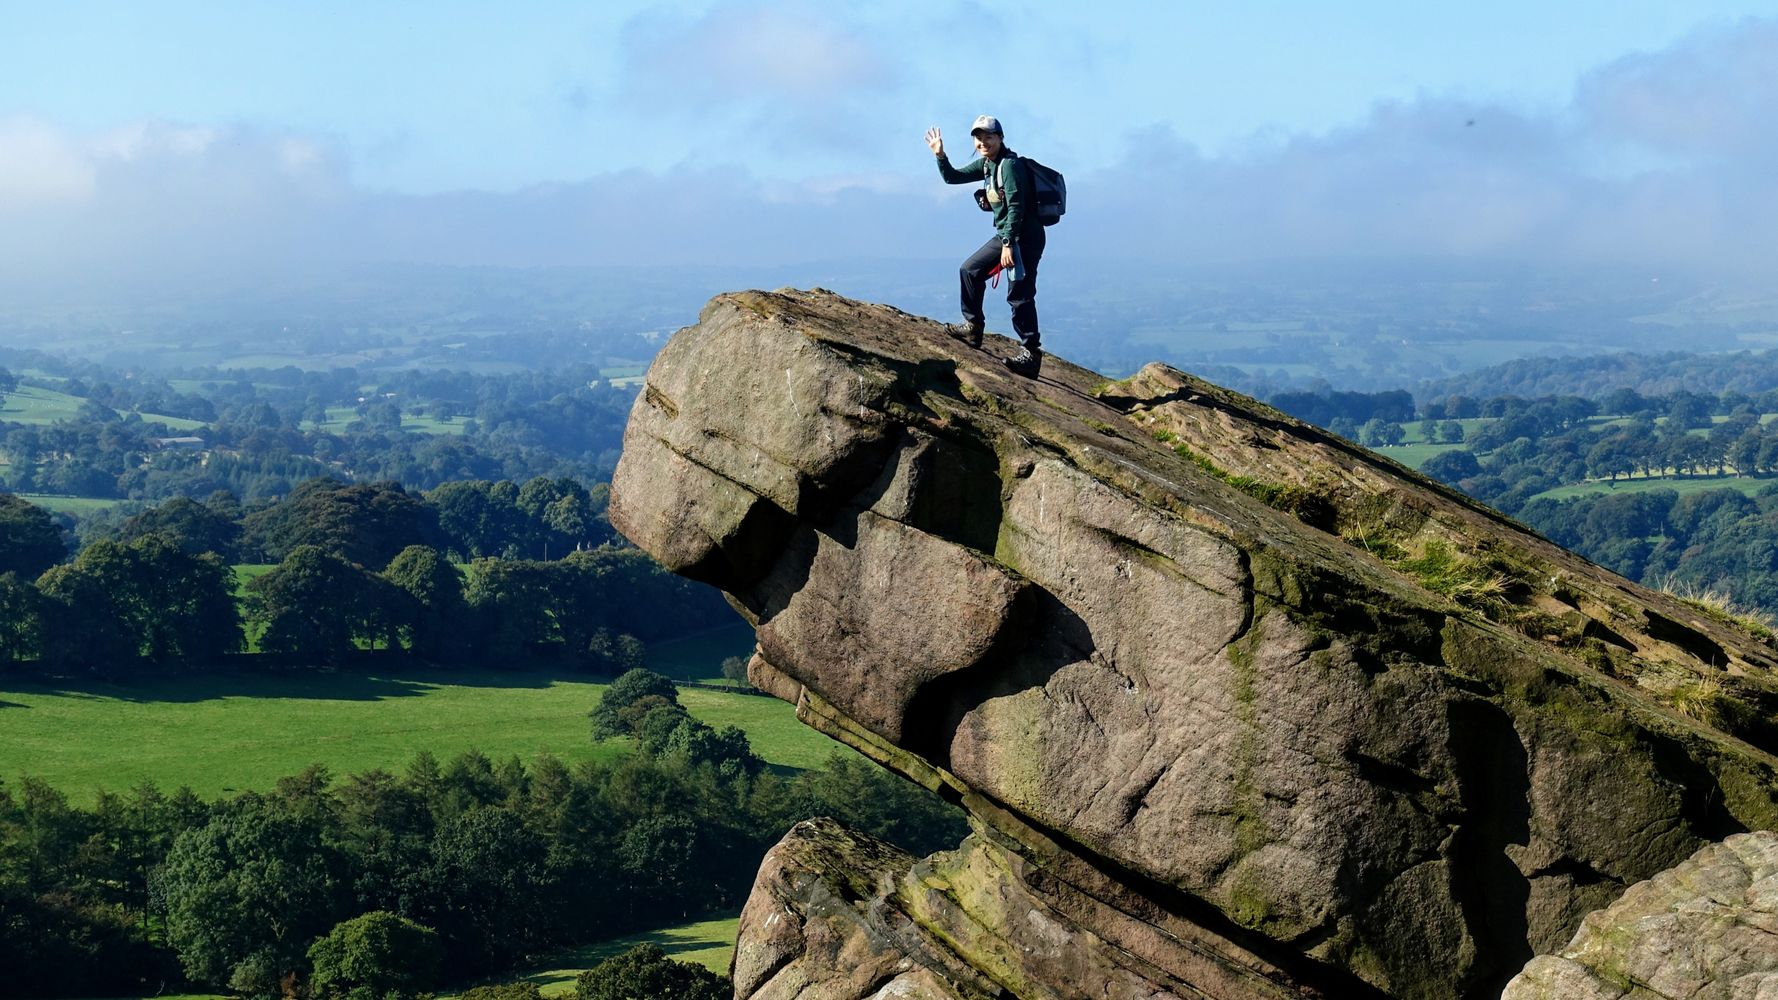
[(935, 141)]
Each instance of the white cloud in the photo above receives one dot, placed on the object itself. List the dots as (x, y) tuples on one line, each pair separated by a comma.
[(149, 139), (41, 166), (300, 157), (1662, 160), (777, 82), (154, 197), (1426, 177), (797, 53), (1713, 94)]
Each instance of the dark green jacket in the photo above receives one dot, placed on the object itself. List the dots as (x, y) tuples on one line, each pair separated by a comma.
[(1013, 216)]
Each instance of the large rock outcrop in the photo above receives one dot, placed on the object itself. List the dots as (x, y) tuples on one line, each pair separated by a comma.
[(1237, 708)]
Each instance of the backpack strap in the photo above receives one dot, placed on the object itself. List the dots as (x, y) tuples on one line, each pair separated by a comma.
[(993, 175)]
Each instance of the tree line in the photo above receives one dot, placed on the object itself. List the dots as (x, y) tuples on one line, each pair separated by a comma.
[(1718, 540), (1326, 407), (366, 522), (370, 522), (1749, 373), (358, 566), (128, 607), (475, 865)]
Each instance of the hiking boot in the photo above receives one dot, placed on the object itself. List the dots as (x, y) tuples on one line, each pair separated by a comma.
[(1026, 362), (969, 333)]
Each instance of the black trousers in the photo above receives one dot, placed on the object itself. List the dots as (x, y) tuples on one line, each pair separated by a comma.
[(1020, 295)]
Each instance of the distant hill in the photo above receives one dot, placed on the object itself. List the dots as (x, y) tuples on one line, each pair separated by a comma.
[(1750, 372), (1350, 324)]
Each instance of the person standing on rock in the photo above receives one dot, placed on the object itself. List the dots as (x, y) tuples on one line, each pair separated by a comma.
[(1017, 245)]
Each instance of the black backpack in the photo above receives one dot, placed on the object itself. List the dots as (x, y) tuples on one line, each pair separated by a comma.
[(1049, 191)]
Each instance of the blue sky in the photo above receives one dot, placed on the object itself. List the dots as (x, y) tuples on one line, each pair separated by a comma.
[(145, 134)]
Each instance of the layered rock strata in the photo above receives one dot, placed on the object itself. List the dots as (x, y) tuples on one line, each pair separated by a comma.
[(1237, 708), (1705, 930)]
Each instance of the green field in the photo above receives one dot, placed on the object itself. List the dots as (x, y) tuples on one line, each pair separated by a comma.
[(1411, 434), (71, 505), (230, 733), (29, 404), (1683, 485), (709, 943), (432, 425), (246, 573), (270, 361), (1414, 455), (225, 734), (339, 416)]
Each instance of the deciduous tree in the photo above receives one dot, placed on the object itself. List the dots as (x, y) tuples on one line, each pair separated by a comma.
[(247, 892), (30, 542), (194, 527), (379, 953), (627, 690), (439, 616), (311, 605), (21, 619), (646, 973)]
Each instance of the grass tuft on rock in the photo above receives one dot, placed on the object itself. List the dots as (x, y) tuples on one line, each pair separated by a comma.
[(1719, 606), (1444, 571)]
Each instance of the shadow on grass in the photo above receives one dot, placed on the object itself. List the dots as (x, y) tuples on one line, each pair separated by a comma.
[(373, 676), (699, 656), (592, 954), (692, 942), (326, 684)]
